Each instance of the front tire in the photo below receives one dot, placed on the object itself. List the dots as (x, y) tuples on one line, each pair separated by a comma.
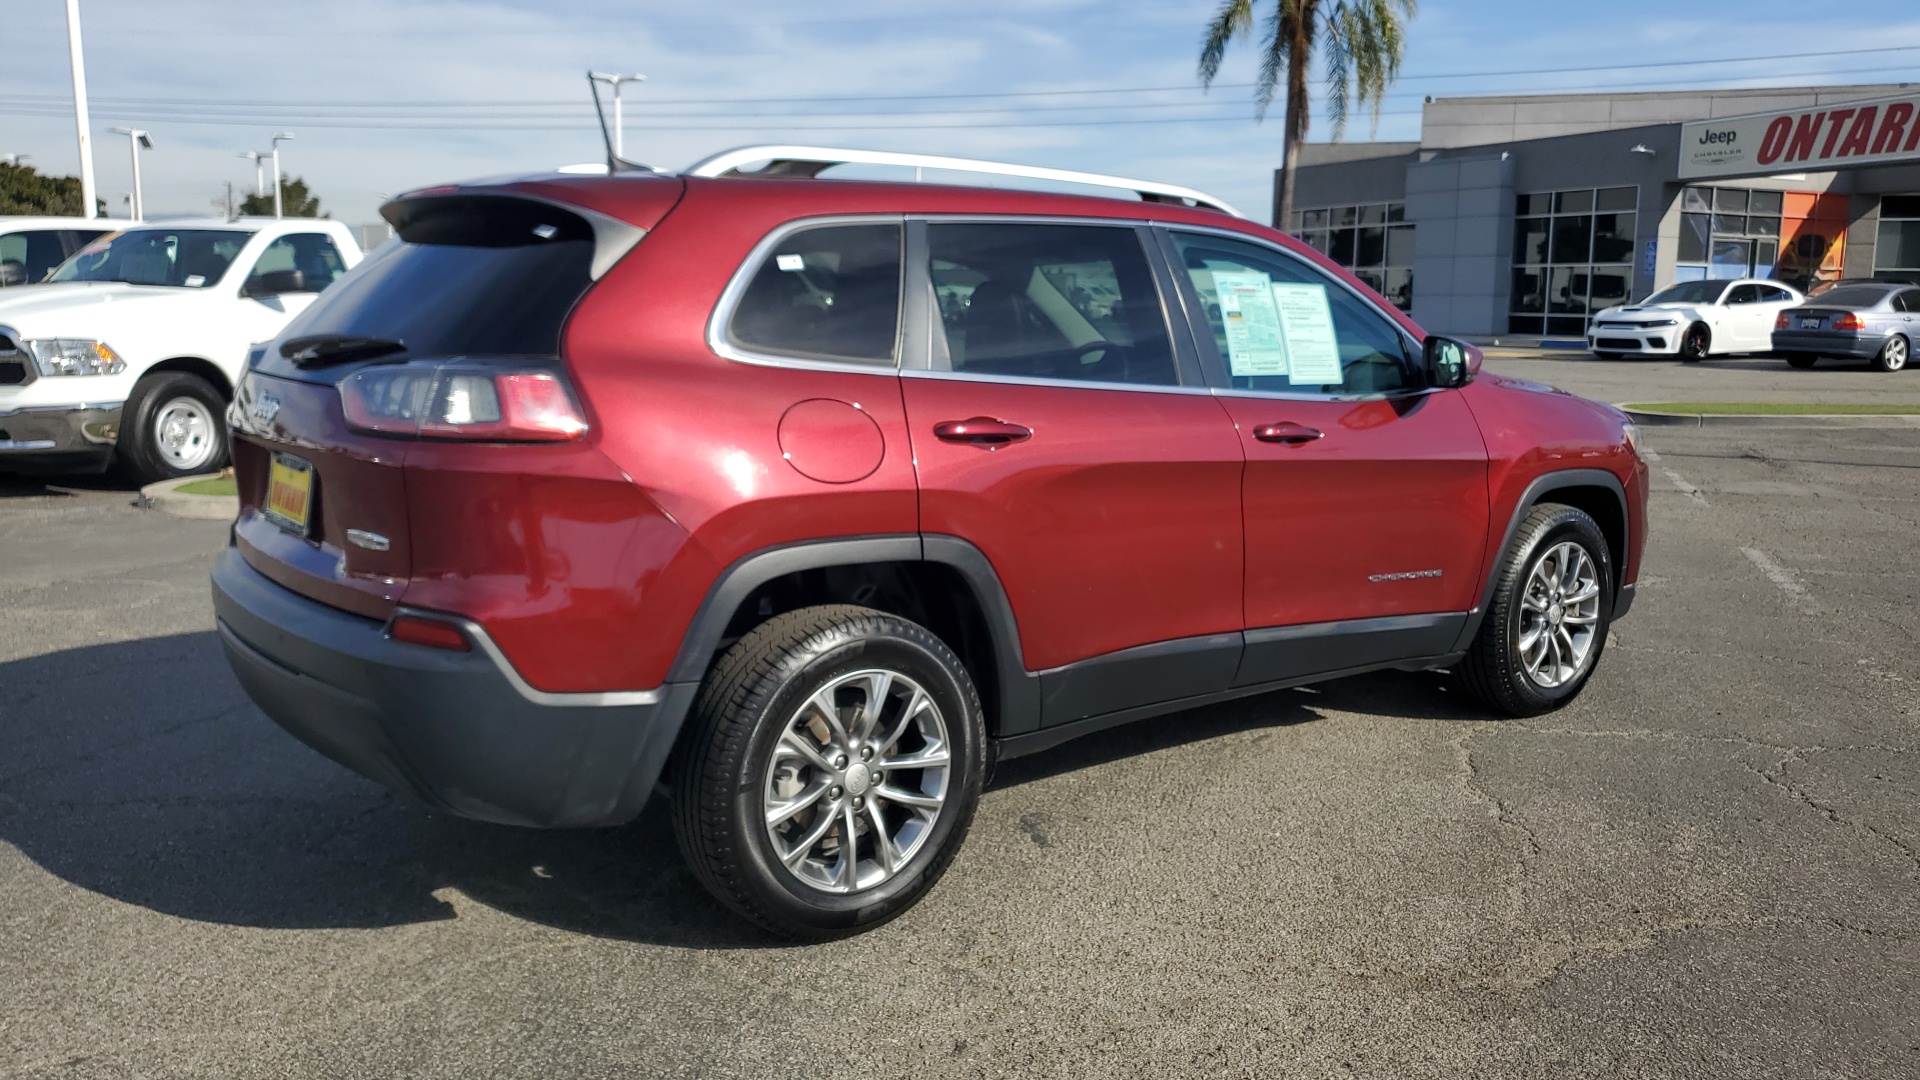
[(1894, 354), (174, 425), (830, 771), (1803, 361), (1543, 633), (1696, 346)]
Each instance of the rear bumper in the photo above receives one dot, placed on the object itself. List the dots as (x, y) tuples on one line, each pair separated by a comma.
[(455, 730), (58, 435), (1827, 343)]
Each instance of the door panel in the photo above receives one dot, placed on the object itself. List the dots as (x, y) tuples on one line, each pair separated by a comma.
[(1384, 514), (1365, 497), (1115, 524)]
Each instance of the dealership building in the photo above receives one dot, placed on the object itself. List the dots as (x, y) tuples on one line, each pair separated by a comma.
[(1522, 215)]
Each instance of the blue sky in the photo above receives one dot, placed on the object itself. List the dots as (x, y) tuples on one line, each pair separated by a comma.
[(385, 95)]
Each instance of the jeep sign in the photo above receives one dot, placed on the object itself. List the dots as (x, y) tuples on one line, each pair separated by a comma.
[(1802, 140)]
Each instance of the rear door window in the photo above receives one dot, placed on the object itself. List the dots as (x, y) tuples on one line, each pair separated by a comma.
[(830, 292), (1070, 302)]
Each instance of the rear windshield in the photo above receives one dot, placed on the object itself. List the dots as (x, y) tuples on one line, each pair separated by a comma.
[(187, 258), (470, 276), (1852, 296)]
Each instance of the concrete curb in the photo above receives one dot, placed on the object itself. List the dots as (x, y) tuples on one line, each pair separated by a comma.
[(163, 497), (1843, 420)]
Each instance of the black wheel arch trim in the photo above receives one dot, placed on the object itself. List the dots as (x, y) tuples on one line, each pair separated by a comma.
[(1531, 497), (1017, 707)]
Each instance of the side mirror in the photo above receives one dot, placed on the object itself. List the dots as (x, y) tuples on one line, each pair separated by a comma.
[(274, 282), (1450, 363)]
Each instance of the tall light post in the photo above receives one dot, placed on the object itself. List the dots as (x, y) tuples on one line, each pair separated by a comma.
[(80, 123), (259, 175), (137, 140), (278, 138), (615, 81)]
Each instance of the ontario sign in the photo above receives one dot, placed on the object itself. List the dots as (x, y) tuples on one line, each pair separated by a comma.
[(1803, 140)]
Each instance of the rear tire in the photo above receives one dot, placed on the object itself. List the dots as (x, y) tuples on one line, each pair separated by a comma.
[(174, 424), (1545, 629), (1696, 346), (762, 739), (1894, 354), (1802, 361)]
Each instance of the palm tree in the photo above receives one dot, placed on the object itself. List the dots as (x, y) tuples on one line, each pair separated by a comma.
[(1362, 42)]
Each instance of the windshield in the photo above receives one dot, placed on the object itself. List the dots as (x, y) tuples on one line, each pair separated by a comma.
[(1689, 292), (188, 258), (470, 276)]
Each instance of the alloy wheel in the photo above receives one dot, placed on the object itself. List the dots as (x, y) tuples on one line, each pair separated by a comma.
[(1897, 352), (857, 780), (1559, 615)]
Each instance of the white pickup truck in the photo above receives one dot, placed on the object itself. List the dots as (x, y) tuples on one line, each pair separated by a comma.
[(131, 348)]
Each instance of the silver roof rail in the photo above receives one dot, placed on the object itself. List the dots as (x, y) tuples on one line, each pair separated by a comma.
[(810, 161)]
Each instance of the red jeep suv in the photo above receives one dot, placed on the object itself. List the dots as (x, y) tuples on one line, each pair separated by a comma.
[(804, 500)]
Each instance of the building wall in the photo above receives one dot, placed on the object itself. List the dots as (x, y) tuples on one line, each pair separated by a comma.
[(1332, 180), (1462, 210)]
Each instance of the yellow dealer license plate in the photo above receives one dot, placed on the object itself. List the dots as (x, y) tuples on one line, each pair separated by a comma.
[(289, 492)]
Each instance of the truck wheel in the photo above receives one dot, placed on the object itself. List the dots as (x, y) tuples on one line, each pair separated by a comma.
[(1801, 360), (830, 771), (174, 425), (1893, 355), (1547, 623)]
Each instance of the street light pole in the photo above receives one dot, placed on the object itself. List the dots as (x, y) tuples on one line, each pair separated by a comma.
[(278, 138), (619, 121), (80, 123), (259, 174), (137, 140)]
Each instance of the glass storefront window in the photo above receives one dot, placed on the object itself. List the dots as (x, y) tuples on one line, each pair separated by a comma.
[(1373, 240), (1728, 233), (1573, 254), (1897, 248)]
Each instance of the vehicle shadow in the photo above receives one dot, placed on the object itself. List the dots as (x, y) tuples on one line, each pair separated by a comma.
[(30, 485), (140, 771)]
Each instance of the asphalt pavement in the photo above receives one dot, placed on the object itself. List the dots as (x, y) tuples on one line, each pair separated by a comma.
[(1708, 865)]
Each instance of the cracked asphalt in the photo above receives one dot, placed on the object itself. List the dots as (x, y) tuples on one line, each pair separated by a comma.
[(1708, 865)]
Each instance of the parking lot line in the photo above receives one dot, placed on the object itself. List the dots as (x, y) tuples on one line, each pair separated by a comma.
[(1782, 577), (1679, 482)]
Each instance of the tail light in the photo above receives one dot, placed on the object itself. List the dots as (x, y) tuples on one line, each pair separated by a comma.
[(1781, 322), (1849, 321), (436, 399)]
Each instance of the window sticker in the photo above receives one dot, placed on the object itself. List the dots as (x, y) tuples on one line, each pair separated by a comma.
[(1256, 344), (790, 262), (1312, 350), (194, 281)]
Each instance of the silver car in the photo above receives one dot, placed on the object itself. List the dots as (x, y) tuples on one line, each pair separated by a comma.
[(1869, 321)]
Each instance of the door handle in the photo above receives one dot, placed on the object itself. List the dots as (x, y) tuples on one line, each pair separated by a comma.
[(1288, 432), (981, 431)]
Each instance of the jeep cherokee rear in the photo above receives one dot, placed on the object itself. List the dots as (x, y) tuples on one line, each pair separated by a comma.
[(807, 499)]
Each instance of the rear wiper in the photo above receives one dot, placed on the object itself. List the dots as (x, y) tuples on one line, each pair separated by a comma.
[(320, 350)]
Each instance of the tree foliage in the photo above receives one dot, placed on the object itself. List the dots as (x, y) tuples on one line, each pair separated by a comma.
[(25, 191), (1361, 43), (295, 201)]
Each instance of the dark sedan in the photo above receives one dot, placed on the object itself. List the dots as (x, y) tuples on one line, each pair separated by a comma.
[(1874, 322)]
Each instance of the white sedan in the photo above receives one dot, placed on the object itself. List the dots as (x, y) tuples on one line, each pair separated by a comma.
[(1694, 320)]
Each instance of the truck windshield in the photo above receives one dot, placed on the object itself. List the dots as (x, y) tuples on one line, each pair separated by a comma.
[(186, 258)]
